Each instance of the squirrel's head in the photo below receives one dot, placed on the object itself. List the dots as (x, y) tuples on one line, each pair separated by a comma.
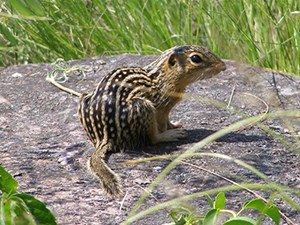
[(182, 65), (191, 63)]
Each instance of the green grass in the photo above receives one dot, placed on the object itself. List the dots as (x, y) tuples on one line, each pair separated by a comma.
[(273, 190), (265, 33)]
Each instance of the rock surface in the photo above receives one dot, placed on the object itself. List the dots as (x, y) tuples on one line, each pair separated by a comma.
[(43, 144)]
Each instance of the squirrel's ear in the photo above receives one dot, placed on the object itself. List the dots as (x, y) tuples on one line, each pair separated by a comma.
[(172, 60)]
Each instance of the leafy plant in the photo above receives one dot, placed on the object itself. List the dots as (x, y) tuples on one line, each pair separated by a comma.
[(185, 216), (19, 208)]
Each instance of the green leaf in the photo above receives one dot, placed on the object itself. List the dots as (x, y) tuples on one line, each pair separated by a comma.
[(23, 209), (211, 217), (8, 35), (2, 212), (220, 201), (20, 209), (178, 213), (240, 221), (15, 212), (183, 216), (2, 44), (41, 214), (20, 7), (36, 7), (209, 200), (270, 210), (7, 183)]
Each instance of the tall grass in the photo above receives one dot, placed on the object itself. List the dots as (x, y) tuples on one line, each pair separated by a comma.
[(283, 193), (265, 33)]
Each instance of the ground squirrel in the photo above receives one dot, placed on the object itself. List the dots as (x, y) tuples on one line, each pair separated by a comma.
[(130, 106)]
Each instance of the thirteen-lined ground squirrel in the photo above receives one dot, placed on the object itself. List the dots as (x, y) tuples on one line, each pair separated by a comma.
[(130, 106)]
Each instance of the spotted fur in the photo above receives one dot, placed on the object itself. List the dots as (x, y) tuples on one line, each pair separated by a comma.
[(130, 106)]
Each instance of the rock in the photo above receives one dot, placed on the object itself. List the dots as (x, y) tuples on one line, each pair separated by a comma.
[(44, 144)]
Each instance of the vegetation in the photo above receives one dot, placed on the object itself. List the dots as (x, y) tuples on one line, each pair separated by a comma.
[(265, 33), (215, 215), (19, 208), (275, 191)]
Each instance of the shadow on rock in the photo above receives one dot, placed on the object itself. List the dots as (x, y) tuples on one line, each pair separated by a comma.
[(199, 134)]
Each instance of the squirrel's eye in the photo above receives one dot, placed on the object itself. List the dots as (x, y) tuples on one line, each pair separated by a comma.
[(196, 59)]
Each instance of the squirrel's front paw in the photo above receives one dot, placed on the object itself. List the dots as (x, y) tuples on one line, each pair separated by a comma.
[(172, 135)]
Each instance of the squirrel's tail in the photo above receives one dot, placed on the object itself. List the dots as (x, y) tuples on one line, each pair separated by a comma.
[(97, 165), (51, 79)]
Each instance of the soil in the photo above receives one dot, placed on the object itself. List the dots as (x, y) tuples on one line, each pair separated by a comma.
[(44, 146)]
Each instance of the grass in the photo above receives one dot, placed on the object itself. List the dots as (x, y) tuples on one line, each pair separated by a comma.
[(285, 194), (264, 33)]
